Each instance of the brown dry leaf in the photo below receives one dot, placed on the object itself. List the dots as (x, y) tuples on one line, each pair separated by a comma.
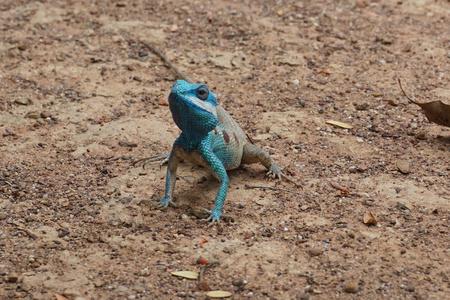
[(218, 294), (163, 102), (337, 186), (369, 218), (326, 72), (185, 274), (203, 286), (339, 124), (60, 297), (436, 111)]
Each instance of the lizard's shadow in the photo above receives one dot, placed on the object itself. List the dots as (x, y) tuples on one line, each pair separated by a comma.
[(203, 189)]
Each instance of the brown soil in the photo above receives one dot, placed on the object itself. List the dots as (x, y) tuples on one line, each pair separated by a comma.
[(78, 88)]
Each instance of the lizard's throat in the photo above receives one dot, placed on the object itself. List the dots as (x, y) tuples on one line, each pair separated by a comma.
[(195, 123)]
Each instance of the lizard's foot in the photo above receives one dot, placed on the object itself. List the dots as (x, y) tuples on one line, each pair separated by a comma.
[(164, 203), (214, 217), (276, 173), (162, 157)]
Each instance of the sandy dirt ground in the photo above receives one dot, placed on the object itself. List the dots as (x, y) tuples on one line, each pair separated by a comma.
[(82, 97)]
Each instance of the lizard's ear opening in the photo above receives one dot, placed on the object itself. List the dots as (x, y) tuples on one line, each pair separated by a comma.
[(202, 93)]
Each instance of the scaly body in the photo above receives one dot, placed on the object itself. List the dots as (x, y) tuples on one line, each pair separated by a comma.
[(209, 137)]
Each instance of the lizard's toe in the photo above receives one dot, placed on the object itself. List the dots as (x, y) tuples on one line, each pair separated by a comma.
[(275, 174), (164, 157), (164, 203), (214, 217)]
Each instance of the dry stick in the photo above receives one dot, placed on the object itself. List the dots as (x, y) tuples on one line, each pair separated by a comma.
[(284, 190), (262, 59), (250, 139), (18, 227), (7, 182), (204, 267), (268, 9), (164, 58)]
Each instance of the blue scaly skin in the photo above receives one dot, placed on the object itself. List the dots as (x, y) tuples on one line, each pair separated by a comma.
[(211, 138)]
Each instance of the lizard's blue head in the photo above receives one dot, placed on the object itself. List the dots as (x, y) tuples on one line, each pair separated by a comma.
[(193, 108)]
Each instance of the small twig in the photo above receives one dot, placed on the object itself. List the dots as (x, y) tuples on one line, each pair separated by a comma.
[(31, 235), (404, 93), (250, 139), (284, 190), (112, 158), (104, 96), (263, 58), (7, 182), (291, 180), (203, 269), (9, 132), (268, 9), (168, 63), (272, 188)]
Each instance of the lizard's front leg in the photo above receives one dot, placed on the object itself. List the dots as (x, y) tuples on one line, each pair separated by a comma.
[(171, 177), (217, 167)]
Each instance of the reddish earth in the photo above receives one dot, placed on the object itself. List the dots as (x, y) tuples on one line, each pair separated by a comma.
[(78, 89)]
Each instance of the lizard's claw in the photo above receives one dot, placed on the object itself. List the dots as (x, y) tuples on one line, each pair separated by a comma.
[(162, 157), (276, 173), (214, 217), (164, 203)]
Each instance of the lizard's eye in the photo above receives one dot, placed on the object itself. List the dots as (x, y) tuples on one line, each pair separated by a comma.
[(202, 93)]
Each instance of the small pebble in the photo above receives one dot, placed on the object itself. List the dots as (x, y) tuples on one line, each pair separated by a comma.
[(23, 101), (99, 283), (33, 116), (351, 287), (121, 289), (13, 278), (199, 212), (393, 102), (404, 166), (303, 296), (127, 144), (142, 53), (362, 106), (45, 114), (315, 251), (204, 286)]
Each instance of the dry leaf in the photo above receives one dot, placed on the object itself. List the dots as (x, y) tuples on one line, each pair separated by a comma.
[(163, 102), (338, 187), (339, 124), (322, 71), (218, 294), (203, 286), (185, 274), (369, 218), (436, 111), (60, 297)]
